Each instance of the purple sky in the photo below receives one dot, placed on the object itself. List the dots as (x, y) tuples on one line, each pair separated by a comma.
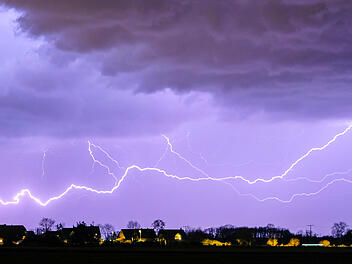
[(240, 88)]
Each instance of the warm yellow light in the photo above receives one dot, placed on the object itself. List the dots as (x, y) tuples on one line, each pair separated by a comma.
[(272, 242), (178, 236), (326, 243), (294, 242), (121, 236), (243, 242), (210, 242)]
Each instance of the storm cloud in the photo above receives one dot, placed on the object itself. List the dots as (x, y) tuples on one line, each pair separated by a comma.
[(287, 59)]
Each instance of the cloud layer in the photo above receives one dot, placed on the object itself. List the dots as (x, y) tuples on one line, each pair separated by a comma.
[(286, 59)]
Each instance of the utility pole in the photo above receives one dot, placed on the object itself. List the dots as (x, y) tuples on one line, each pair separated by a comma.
[(310, 230)]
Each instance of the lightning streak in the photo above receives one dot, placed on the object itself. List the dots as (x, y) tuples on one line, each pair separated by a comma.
[(289, 169), (106, 153), (27, 192), (294, 164), (43, 163), (321, 180), (184, 159), (100, 163), (162, 156), (304, 193)]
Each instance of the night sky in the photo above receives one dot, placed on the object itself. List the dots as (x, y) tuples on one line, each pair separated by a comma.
[(241, 88)]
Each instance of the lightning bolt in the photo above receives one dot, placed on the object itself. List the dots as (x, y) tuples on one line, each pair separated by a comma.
[(106, 153), (27, 192), (170, 147), (43, 163), (90, 145), (24, 192), (321, 180), (294, 164), (304, 193), (290, 168), (162, 156), (275, 177), (196, 153)]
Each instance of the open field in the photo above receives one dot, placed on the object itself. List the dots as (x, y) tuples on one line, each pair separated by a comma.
[(177, 255)]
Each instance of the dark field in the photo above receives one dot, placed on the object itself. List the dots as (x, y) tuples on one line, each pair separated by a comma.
[(176, 255)]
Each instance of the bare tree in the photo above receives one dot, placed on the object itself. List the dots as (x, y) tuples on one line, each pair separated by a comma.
[(108, 231), (158, 225), (133, 225), (46, 224), (211, 231), (187, 229), (60, 226), (339, 229)]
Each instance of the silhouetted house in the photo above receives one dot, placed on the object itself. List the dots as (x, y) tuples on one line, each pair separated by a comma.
[(30, 238), (66, 235), (30, 234), (80, 235), (52, 234), (136, 235), (52, 237), (12, 234), (168, 236)]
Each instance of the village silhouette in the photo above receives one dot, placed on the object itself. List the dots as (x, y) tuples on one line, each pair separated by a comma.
[(49, 233)]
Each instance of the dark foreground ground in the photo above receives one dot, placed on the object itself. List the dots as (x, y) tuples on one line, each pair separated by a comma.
[(176, 255)]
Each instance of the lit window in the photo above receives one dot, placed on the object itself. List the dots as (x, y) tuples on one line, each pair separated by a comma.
[(178, 236)]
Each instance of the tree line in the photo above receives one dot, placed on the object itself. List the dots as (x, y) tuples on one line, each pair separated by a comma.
[(240, 236)]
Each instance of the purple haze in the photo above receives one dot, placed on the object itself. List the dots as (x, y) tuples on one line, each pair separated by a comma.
[(240, 87)]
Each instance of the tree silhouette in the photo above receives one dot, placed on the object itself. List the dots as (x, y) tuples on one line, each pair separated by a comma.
[(60, 226), (133, 225), (158, 225), (81, 224), (46, 224), (339, 229), (108, 231)]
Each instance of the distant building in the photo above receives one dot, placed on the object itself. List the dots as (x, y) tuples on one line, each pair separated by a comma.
[(168, 236), (12, 234), (79, 235), (136, 235), (66, 234)]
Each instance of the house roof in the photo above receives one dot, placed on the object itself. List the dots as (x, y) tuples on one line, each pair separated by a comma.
[(12, 231), (54, 233), (66, 231), (92, 230), (171, 233), (143, 233)]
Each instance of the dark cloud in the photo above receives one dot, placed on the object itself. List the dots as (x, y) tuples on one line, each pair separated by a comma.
[(290, 59), (76, 101), (94, 114)]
